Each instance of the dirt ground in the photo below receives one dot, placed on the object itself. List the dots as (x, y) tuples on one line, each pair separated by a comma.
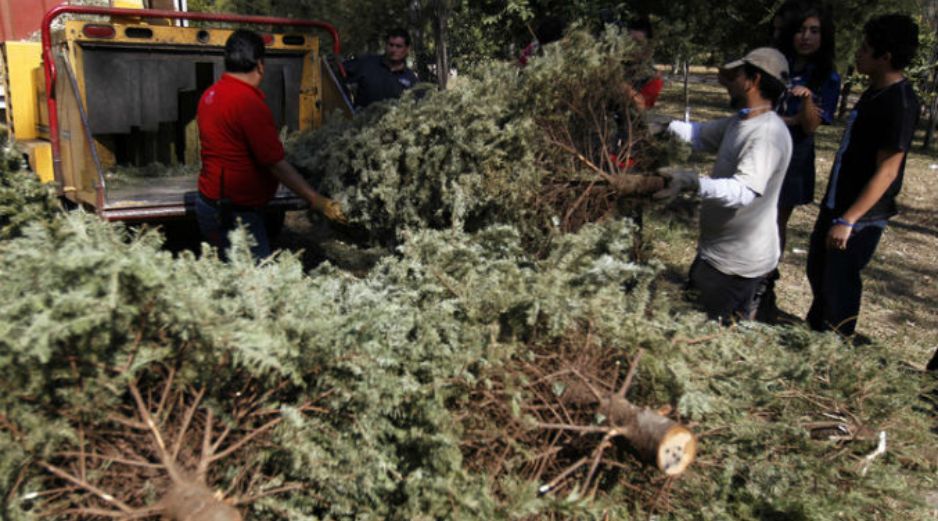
[(900, 299)]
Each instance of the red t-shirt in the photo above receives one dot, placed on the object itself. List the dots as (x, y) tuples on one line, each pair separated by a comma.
[(651, 90), (239, 143)]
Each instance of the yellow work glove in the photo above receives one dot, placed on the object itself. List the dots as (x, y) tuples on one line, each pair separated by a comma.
[(330, 209)]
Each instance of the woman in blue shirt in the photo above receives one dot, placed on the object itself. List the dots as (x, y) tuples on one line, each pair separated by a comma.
[(808, 41)]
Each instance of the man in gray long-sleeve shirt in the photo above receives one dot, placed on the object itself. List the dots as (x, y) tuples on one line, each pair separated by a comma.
[(738, 242)]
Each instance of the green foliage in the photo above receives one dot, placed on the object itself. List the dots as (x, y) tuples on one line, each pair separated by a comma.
[(395, 354), (22, 200), (780, 405), (924, 68), (441, 162), (86, 298), (492, 149), (390, 358)]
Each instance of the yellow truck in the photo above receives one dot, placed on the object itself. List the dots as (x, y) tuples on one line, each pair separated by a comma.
[(116, 89)]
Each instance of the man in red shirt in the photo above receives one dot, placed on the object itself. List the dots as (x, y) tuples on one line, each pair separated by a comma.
[(243, 161)]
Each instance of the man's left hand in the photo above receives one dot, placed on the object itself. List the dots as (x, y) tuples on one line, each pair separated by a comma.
[(837, 237), (676, 180)]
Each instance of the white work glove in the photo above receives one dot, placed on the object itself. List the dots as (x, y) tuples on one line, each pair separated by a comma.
[(684, 131), (676, 180)]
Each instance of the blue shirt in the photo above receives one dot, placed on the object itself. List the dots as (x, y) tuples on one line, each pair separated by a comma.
[(376, 81), (825, 96)]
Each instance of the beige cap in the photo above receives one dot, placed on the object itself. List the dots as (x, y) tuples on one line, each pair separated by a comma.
[(767, 59)]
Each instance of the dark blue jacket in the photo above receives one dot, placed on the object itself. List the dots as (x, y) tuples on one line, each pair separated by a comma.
[(376, 81)]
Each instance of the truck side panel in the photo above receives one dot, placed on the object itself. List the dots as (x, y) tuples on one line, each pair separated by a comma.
[(22, 59)]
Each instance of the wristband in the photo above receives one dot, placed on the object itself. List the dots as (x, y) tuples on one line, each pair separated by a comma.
[(843, 222)]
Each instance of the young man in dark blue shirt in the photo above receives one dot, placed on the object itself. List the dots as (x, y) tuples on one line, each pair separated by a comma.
[(866, 177), (378, 78)]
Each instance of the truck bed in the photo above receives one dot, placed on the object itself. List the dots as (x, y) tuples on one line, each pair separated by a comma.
[(156, 198), (150, 191)]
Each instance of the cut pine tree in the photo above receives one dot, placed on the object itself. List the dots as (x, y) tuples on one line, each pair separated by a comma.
[(164, 442)]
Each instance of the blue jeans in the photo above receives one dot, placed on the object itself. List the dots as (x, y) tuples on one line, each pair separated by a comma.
[(835, 276), (216, 223)]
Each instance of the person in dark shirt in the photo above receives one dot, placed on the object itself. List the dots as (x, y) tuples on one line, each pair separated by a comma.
[(378, 78), (648, 83), (243, 160), (866, 176), (807, 40), (549, 30)]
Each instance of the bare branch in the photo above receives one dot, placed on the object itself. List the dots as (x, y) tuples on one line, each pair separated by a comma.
[(272, 492), (205, 458), (112, 458), (166, 392), (186, 420), (631, 374), (168, 462), (245, 440), (544, 489), (574, 428), (56, 471)]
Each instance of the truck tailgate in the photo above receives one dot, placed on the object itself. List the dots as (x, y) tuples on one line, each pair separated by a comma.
[(161, 198)]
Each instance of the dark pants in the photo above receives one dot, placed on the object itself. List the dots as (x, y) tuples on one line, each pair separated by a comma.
[(835, 276), (216, 222), (727, 298)]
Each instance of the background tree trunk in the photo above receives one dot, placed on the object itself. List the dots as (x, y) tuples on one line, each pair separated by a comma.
[(441, 12), (686, 91), (932, 18), (933, 109), (418, 49)]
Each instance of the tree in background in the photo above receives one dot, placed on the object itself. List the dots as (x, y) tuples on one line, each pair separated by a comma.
[(463, 33)]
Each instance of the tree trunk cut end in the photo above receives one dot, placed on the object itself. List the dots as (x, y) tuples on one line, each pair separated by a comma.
[(677, 450), (193, 501)]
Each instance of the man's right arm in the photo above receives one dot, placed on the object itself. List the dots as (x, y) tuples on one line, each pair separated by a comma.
[(701, 136), (266, 148), (286, 174), (728, 192)]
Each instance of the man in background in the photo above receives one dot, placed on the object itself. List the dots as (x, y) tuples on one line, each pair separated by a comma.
[(378, 78)]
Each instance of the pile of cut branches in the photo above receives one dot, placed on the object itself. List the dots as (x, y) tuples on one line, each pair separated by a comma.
[(559, 415), (483, 372), (546, 148)]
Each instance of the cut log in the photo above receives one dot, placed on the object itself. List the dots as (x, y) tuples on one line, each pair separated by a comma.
[(657, 439), (632, 184)]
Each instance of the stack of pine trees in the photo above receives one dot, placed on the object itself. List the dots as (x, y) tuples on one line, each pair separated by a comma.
[(508, 360)]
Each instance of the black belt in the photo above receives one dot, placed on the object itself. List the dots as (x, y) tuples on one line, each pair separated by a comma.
[(226, 204)]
